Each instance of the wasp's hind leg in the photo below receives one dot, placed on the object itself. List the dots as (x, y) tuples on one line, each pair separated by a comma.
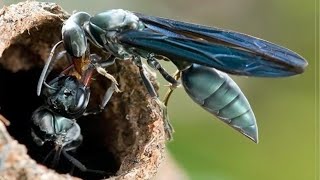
[(176, 76)]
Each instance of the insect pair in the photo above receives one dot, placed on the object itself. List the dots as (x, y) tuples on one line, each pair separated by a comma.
[(66, 99), (201, 54)]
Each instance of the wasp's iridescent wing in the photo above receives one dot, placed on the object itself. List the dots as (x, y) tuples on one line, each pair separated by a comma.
[(231, 52)]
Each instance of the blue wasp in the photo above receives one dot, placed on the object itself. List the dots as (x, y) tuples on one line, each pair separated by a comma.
[(203, 55)]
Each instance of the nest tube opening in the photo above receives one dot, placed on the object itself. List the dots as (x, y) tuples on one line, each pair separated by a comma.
[(19, 101), (127, 140)]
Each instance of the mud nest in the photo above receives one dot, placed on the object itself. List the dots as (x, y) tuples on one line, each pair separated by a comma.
[(127, 140)]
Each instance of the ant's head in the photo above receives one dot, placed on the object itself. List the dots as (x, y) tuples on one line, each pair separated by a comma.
[(67, 96)]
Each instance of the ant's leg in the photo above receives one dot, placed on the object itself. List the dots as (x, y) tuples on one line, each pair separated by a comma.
[(56, 157), (79, 165), (4, 120), (48, 155), (72, 170), (45, 71), (65, 70), (36, 139)]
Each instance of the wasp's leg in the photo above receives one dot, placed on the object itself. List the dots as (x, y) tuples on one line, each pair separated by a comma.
[(166, 100), (167, 126), (79, 165), (152, 92), (99, 64), (45, 72), (106, 98), (176, 76), (166, 122), (154, 63), (104, 73), (107, 95), (104, 62)]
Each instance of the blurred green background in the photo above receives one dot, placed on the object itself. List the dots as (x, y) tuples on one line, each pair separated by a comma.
[(285, 108)]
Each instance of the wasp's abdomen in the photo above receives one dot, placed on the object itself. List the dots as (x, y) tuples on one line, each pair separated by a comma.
[(217, 93)]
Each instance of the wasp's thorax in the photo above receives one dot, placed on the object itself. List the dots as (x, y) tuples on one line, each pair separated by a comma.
[(103, 28)]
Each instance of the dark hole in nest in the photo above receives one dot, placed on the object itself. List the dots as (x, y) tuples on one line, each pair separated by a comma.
[(18, 100)]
